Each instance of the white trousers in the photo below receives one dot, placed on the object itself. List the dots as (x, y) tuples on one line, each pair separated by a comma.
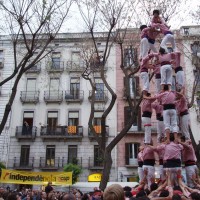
[(170, 120), (180, 80), (160, 130), (166, 74), (174, 171), (145, 46), (158, 85), (168, 38), (190, 171), (150, 174), (146, 121), (144, 76), (140, 173), (184, 123)]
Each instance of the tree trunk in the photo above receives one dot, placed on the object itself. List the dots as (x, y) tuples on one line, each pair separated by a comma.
[(106, 169)]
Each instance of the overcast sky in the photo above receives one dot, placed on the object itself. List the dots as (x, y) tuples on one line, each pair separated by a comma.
[(183, 19)]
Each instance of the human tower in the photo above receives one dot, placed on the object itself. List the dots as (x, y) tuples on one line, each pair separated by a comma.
[(170, 107)]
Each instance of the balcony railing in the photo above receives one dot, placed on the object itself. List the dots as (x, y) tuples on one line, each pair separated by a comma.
[(73, 160), (100, 96), (53, 96), (140, 129), (96, 66), (98, 130), (61, 132), (55, 66), (35, 69), (75, 66), (23, 163), (49, 163), (74, 95), (29, 96), (26, 132), (95, 163)]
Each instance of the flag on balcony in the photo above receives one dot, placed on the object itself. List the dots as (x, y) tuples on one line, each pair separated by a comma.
[(71, 129), (97, 129)]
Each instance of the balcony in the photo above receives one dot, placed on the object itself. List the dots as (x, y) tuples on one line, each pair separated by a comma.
[(75, 66), (136, 129), (96, 66), (100, 96), (61, 132), (98, 132), (95, 163), (29, 96), (53, 96), (50, 163), (23, 132), (73, 160), (26, 164), (55, 66), (74, 96), (36, 69)]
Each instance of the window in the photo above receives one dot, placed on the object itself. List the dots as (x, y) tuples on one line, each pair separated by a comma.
[(186, 31), (56, 60), (98, 157), (75, 87), (54, 84), (31, 85), (52, 119), (131, 152), (1, 58), (127, 115), (99, 93), (72, 154), (97, 118), (130, 57), (73, 118), (76, 59), (54, 88), (24, 158), (133, 85), (50, 155), (27, 122), (195, 47)]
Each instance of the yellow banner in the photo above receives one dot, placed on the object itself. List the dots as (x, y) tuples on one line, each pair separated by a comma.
[(36, 178)]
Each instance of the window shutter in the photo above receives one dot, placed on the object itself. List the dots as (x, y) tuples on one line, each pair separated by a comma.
[(127, 114), (139, 119), (137, 86), (127, 153)]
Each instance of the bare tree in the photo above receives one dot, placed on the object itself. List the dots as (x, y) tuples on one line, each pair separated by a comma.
[(114, 17), (196, 15), (32, 25), (168, 9)]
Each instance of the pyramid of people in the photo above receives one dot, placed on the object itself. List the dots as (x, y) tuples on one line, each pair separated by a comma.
[(170, 108)]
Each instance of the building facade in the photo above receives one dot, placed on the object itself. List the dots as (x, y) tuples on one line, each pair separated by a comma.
[(49, 119)]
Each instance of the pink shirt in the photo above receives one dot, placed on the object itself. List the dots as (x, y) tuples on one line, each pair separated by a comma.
[(189, 154), (146, 105), (167, 57), (157, 107), (149, 32), (160, 149), (156, 20), (167, 97), (140, 156), (181, 105), (173, 151), (163, 27), (177, 58), (148, 153)]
